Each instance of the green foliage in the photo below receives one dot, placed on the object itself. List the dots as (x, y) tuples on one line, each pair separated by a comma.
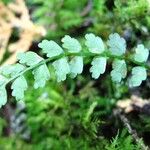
[(138, 75), (141, 53), (60, 17), (63, 66), (11, 70), (131, 8), (98, 67), (5, 1), (19, 86), (29, 59), (65, 119), (119, 71), (41, 75), (117, 45), (62, 118), (98, 16), (51, 48), (71, 44), (127, 17), (78, 114), (123, 142), (76, 66), (94, 43)]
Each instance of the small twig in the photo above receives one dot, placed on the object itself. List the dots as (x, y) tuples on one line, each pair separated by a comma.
[(87, 9), (133, 132)]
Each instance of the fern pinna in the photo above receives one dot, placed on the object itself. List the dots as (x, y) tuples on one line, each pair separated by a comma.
[(69, 61)]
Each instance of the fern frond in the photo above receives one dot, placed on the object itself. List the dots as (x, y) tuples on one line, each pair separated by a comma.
[(70, 61)]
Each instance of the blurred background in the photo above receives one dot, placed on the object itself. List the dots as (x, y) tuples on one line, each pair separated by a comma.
[(78, 113)]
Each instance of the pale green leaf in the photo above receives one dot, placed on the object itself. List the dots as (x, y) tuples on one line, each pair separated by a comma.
[(133, 82), (116, 76), (141, 53), (76, 66), (11, 70), (117, 44), (3, 80), (51, 48), (18, 87), (41, 75), (29, 58), (139, 74), (94, 43), (61, 68), (119, 70), (98, 67), (3, 96), (71, 44)]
